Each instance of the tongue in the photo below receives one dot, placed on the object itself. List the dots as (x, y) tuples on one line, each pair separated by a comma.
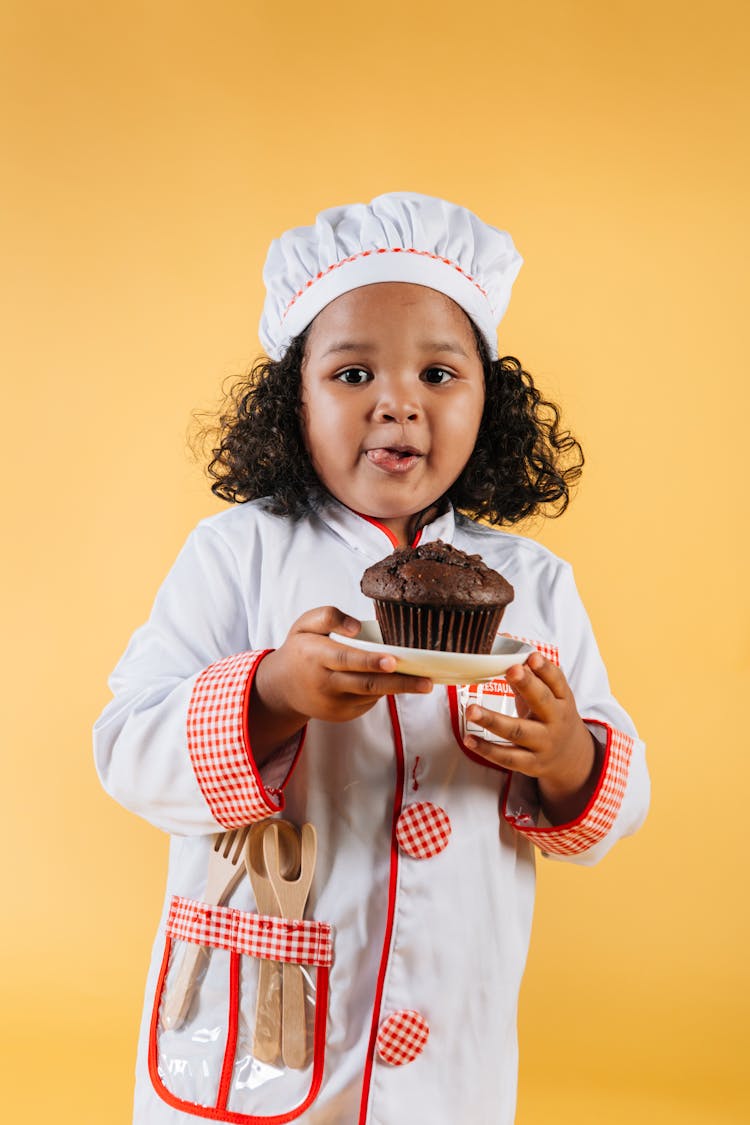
[(391, 460)]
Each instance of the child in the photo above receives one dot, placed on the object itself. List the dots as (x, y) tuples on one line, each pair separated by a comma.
[(382, 418)]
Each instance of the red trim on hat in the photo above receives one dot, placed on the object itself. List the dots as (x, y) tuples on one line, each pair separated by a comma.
[(382, 250)]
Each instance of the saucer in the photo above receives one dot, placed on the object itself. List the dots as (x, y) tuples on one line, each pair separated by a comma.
[(441, 667)]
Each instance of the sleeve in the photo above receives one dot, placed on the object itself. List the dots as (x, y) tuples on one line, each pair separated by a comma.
[(620, 801), (173, 744)]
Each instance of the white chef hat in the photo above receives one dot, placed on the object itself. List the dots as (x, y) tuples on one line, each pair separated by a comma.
[(401, 236)]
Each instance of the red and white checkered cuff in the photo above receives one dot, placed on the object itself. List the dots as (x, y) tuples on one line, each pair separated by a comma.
[(597, 819), (302, 942), (219, 745)]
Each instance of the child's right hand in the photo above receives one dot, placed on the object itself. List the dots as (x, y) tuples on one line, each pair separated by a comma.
[(312, 677)]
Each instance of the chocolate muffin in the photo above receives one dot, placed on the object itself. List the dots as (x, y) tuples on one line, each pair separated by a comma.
[(437, 597)]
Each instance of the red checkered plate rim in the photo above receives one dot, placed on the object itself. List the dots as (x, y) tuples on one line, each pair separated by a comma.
[(442, 667)]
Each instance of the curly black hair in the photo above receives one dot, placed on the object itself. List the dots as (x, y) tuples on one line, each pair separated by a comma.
[(522, 464)]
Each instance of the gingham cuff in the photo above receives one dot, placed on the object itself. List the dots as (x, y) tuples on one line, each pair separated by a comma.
[(297, 941), (219, 743), (596, 819)]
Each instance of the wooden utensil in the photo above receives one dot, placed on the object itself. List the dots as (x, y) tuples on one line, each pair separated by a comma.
[(224, 872), (292, 897), (267, 1033)]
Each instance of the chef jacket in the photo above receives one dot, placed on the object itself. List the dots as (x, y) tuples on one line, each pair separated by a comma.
[(418, 921)]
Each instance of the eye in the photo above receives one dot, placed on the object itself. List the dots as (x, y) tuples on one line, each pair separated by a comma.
[(354, 376), (437, 376)]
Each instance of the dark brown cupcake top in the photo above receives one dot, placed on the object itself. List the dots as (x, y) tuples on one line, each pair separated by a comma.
[(436, 574)]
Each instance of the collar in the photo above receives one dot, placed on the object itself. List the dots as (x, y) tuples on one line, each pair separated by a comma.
[(371, 539)]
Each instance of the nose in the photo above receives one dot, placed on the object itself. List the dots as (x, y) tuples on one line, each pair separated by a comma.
[(398, 402)]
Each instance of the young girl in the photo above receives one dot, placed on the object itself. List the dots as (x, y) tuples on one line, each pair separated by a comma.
[(382, 418)]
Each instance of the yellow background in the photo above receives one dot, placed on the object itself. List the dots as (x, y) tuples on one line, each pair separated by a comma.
[(150, 152)]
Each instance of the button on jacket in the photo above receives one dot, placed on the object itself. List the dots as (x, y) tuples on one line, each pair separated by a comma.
[(417, 925)]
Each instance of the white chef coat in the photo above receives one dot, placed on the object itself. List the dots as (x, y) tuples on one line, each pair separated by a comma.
[(425, 867)]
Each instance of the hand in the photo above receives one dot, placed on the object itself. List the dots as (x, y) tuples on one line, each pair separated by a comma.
[(312, 677), (550, 740)]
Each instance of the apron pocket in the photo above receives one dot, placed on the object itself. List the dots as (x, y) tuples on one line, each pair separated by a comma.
[(234, 1057)]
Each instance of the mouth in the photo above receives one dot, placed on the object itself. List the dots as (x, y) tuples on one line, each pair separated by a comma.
[(396, 459)]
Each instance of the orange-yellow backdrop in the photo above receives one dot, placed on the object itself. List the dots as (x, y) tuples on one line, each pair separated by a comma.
[(150, 151)]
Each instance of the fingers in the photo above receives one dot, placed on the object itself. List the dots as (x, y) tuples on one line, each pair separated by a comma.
[(526, 733), (356, 672), (352, 671), (342, 658), (514, 758), (375, 686), (325, 619), (547, 673), (544, 739), (540, 685)]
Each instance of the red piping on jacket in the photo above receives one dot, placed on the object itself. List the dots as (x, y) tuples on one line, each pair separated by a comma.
[(387, 531), (384, 958), (225, 1082)]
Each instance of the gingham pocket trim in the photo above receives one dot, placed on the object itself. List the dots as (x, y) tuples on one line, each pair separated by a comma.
[(401, 1037), (599, 817), (423, 830), (219, 745), (303, 942)]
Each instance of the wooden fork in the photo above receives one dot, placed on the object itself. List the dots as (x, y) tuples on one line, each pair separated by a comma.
[(225, 869)]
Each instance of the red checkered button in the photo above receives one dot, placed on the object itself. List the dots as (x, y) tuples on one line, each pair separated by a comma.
[(401, 1037), (423, 830)]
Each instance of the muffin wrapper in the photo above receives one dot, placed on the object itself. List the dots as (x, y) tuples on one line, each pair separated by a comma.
[(439, 629)]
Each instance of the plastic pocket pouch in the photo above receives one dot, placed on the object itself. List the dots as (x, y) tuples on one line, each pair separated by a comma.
[(243, 1053)]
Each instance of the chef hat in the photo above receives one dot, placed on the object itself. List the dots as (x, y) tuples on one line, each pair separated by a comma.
[(401, 236)]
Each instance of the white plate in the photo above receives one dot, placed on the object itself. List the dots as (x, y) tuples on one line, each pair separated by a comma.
[(441, 667)]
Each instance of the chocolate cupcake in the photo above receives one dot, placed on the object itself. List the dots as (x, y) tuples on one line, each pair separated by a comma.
[(437, 597)]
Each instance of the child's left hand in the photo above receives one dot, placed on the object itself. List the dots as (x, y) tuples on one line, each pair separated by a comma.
[(550, 740)]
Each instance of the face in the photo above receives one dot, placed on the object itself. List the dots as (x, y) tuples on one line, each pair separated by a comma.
[(392, 397)]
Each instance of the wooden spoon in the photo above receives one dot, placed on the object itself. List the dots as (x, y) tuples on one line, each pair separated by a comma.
[(292, 897), (267, 1033)]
